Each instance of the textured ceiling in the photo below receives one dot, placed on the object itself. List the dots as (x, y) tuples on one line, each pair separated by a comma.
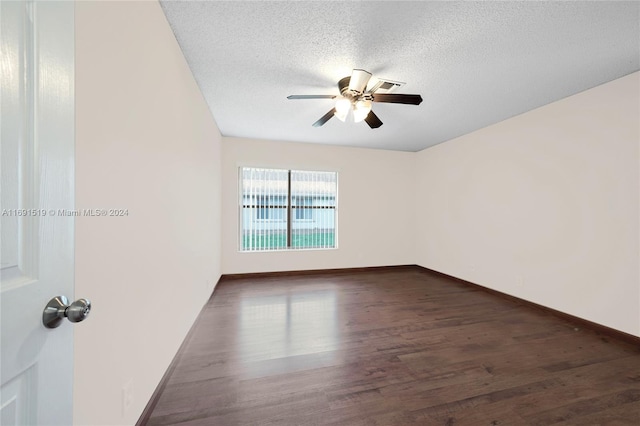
[(474, 63)]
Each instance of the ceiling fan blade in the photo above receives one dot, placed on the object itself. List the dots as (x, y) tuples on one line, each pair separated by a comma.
[(397, 98), (324, 118), (372, 120), (359, 80), (384, 85), (311, 97)]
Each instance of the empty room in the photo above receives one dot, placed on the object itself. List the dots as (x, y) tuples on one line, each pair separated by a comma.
[(320, 213)]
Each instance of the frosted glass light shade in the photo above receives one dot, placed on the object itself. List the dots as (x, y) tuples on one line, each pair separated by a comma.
[(360, 110), (342, 116), (343, 105)]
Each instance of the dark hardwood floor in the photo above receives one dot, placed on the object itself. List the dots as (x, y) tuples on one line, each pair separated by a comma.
[(392, 347)]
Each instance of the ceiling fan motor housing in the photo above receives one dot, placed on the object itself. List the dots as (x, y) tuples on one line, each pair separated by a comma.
[(352, 95), (343, 85)]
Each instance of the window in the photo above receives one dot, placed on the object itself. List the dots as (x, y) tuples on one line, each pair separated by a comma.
[(287, 209), (271, 208), (302, 207)]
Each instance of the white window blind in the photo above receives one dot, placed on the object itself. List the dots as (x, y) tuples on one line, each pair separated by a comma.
[(287, 209)]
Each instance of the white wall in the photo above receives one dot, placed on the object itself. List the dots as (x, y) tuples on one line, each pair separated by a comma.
[(145, 141), (543, 206), (375, 215)]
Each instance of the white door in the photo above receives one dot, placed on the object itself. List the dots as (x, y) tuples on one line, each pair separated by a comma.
[(37, 168)]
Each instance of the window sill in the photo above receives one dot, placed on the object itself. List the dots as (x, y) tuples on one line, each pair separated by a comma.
[(280, 250)]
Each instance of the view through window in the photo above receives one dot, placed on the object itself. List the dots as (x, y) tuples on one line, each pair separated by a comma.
[(287, 209)]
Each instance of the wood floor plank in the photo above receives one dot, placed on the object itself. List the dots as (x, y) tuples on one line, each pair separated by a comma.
[(585, 409), (395, 346)]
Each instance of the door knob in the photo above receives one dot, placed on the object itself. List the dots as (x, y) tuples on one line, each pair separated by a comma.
[(59, 308)]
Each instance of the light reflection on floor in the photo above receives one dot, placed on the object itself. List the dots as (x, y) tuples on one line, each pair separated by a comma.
[(288, 325)]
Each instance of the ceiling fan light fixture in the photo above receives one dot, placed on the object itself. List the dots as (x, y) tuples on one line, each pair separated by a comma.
[(361, 109)]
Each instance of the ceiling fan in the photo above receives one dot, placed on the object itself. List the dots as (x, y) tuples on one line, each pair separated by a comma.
[(355, 97)]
